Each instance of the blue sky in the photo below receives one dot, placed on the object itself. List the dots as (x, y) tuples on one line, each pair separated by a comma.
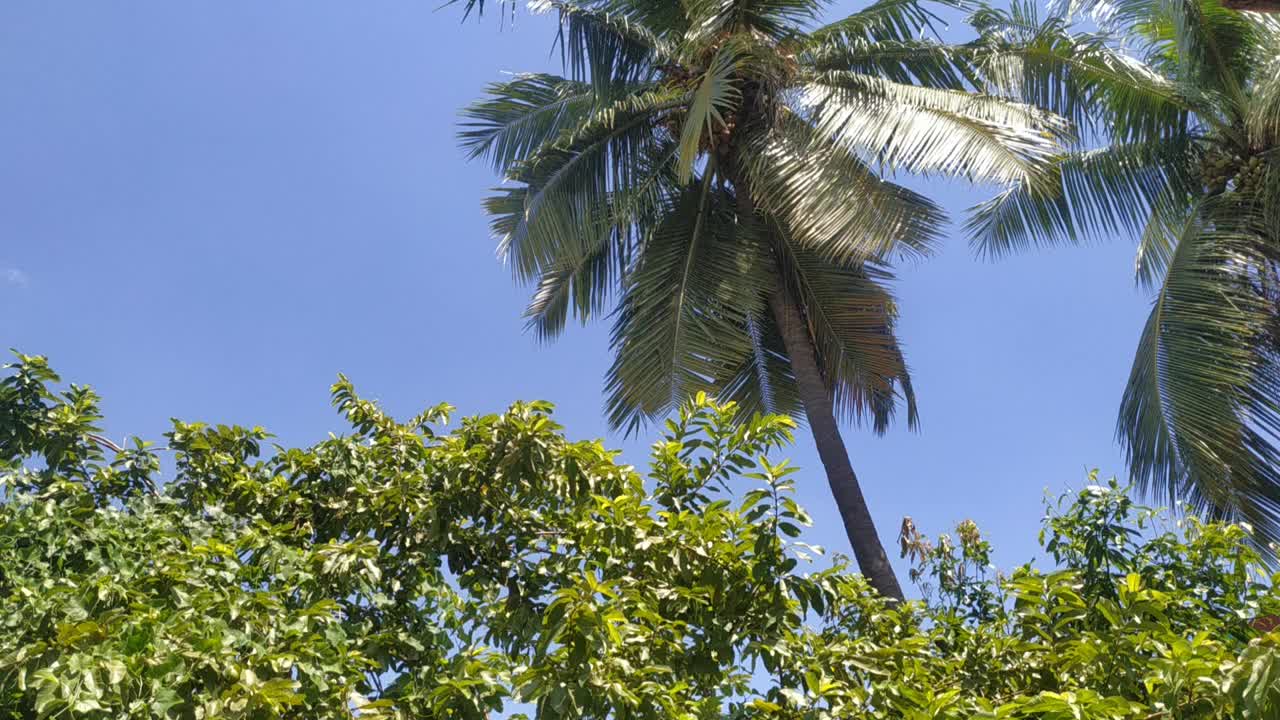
[(208, 209)]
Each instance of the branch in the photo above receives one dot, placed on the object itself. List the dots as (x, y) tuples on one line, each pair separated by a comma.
[(104, 442), (108, 444)]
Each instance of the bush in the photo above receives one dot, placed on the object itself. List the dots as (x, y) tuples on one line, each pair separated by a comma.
[(406, 571)]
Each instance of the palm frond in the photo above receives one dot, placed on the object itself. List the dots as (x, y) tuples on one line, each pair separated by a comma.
[(832, 202), (477, 7), (1269, 195), (883, 21), (851, 317), (1082, 77), (1264, 111), (1199, 417), (521, 115), (925, 63), (872, 90), (1170, 212), (607, 49), (582, 280), (774, 19), (666, 19), (716, 96), (1199, 42), (679, 323), (582, 284), (910, 132), (762, 381), (1263, 116), (566, 184), (1091, 195)]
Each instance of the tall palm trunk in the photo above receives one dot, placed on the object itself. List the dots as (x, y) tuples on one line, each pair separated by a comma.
[(820, 412)]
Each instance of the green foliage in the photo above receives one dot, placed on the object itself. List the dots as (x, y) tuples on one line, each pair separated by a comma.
[(409, 571)]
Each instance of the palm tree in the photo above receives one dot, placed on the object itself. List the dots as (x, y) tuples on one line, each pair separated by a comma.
[(1190, 164), (712, 170)]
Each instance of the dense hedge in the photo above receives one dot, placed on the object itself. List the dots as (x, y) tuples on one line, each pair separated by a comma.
[(413, 571)]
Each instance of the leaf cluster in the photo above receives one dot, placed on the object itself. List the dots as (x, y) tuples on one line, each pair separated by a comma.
[(422, 569)]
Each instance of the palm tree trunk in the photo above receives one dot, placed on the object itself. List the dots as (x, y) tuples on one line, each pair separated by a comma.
[(819, 410), (815, 396)]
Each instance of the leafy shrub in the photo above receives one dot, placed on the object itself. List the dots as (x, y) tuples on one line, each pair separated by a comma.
[(411, 571)]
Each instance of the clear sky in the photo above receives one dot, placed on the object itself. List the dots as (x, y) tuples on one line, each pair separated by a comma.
[(208, 209)]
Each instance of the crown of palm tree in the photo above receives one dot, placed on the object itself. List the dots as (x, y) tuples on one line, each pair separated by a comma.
[(699, 153), (1190, 166)]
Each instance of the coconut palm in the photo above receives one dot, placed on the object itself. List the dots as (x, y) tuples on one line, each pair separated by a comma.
[(1190, 115), (714, 172)]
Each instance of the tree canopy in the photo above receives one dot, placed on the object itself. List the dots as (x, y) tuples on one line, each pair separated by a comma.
[(419, 569)]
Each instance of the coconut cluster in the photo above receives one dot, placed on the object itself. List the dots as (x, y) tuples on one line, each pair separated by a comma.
[(1251, 176), (1222, 171)]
